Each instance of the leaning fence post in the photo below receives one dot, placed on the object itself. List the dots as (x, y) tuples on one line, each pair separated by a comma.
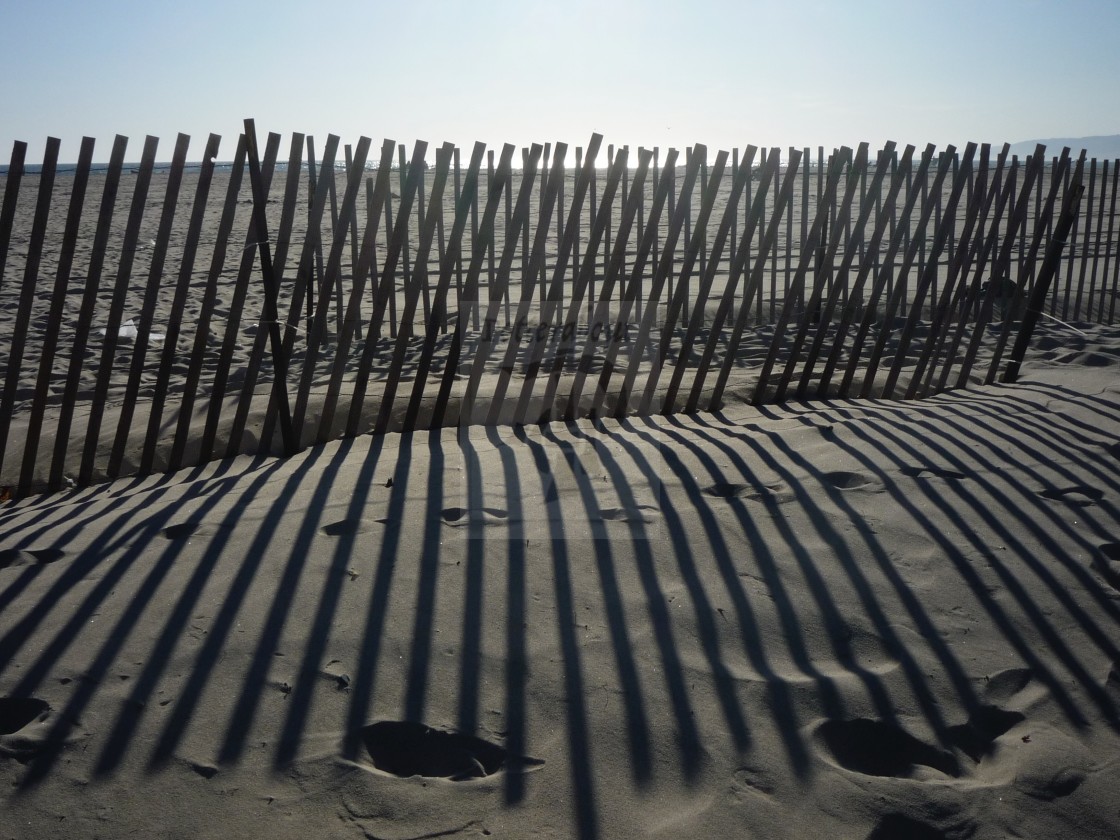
[(28, 290), (271, 316), (116, 311), (55, 318), (1042, 283), (179, 301)]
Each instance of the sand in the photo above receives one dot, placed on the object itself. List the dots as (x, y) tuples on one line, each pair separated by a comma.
[(875, 619), (865, 618)]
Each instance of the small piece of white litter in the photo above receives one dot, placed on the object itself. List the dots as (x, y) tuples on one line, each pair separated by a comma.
[(129, 330)]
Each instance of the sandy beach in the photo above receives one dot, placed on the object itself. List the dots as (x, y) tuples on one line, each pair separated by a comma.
[(883, 619), (876, 619), (605, 421)]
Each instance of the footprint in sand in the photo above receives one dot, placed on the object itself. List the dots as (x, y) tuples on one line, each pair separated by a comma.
[(18, 712), (16, 557), (770, 494), (938, 472), (186, 530), (1010, 685), (407, 748), (875, 748), (457, 517), (995, 746), (843, 480), (976, 737), (727, 490), (22, 733), (206, 771), (349, 527), (1078, 495), (637, 513), (901, 827)]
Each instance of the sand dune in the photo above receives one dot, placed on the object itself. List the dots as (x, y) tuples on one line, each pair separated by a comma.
[(874, 619)]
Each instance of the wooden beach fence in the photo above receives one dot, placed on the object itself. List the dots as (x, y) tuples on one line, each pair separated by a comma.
[(160, 315)]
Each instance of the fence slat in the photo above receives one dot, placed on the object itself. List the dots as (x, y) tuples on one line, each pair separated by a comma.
[(182, 287), (497, 297), (364, 268), (271, 294), (27, 292), (1088, 204), (1070, 252), (695, 321), (1108, 254), (1097, 244), (497, 182), (282, 238), (340, 301), (565, 337), (928, 277), (1018, 222), (884, 281), (148, 307), (54, 318), (184, 426), (768, 172), (413, 289), (767, 247), (795, 290), (309, 281), (392, 299), (232, 331), (536, 266), (386, 289), (450, 263), (631, 204), (116, 310), (956, 283), (886, 218), (812, 311), (315, 207), (230, 337), (554, 297), (996, 195), (12, 183), (870, 203), (1046, 274), (632, 293), (679, 212), (342, 217)]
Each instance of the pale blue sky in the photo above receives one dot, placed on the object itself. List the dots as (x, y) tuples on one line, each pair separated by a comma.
[(641, 72)]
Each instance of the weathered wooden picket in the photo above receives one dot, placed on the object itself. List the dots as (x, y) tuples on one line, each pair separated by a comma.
[(268, 304)]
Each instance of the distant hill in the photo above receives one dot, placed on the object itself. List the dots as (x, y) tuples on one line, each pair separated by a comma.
[(1103, 147)]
